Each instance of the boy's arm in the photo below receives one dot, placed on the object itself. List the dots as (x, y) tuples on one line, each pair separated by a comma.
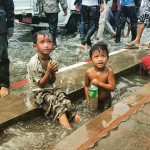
[(53, 78), (111, 81), (49, 75), (44, 79), (86, 87)]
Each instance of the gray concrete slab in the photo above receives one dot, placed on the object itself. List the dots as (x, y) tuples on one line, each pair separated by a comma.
[(112, 121)]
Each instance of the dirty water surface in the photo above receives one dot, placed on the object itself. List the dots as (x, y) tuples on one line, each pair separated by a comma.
[(67, 53), (39, 133)]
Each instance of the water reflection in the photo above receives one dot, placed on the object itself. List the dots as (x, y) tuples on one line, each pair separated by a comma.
[(119, 109)]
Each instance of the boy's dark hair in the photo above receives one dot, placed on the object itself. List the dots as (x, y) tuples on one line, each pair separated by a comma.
[(42, 32), (99, 46)]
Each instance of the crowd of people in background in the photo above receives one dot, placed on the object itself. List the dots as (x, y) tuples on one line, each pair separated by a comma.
[(98, 16), (113, 15)]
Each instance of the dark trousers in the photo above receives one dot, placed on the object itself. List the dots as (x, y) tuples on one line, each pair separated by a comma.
[(52, 21), (131, 13), (89, 22), (4, 61)]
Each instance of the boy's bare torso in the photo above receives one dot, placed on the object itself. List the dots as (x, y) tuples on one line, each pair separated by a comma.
[(101, 76)]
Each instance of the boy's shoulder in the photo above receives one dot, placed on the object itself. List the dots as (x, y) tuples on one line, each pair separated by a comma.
[(33, 60), (89, 69), (110, 70)]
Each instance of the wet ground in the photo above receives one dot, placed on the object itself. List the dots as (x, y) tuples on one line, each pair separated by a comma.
[(67, 53), (40, 133)]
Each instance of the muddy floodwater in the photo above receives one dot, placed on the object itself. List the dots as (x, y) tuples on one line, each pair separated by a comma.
[(39, 133), (67, 53)]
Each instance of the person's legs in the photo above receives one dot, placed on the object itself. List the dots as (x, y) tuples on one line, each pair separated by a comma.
[(102, 21), (129, 29), (94, 17), (4, 66), (76, 118), (116, 16), (132, 13), (70, 110), (64, 121), (84, 24), (120, 24), (109, 29), (140, 29), (108, 26), (53, 21)]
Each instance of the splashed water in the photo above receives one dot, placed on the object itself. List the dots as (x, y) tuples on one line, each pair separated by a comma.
[(67, 53), (39, 133)]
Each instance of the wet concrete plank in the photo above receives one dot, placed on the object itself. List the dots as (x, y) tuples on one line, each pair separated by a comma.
[(105, 122), (133, 134), (123, 138), (12, 107)]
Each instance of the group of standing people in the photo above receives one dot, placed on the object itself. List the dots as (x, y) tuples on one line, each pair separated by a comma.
[(94, 16)]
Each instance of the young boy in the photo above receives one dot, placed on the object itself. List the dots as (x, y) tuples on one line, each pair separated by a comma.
[(100, 75), (41, 73)]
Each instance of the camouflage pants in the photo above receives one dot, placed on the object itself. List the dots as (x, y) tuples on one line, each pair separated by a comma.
[(55, 103)]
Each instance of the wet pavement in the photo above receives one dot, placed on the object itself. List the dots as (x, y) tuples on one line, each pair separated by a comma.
[(20, 51), (22, 109), (126, 125), (67, 52)]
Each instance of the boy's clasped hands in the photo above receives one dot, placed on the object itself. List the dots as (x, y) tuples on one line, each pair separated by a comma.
[(52, 66)]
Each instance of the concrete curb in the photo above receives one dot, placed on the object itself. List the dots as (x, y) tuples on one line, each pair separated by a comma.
[(105, 122)]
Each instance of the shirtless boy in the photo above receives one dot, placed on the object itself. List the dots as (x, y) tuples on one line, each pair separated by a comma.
[(100, 75)]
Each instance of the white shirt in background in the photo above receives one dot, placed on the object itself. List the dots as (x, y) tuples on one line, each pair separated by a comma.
[(90, 2)]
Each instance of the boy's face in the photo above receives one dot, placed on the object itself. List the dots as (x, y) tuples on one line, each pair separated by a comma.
[(99, 58), (44, 44)]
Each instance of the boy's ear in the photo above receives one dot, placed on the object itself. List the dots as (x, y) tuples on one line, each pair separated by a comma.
[(53, 46), (34, 46)]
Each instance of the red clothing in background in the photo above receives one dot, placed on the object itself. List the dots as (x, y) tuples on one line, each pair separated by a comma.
[(146, 61), (145, 65)]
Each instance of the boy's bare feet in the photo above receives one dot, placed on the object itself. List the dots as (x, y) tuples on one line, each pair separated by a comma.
[(64, 121), (77, 118), (4, 91)]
